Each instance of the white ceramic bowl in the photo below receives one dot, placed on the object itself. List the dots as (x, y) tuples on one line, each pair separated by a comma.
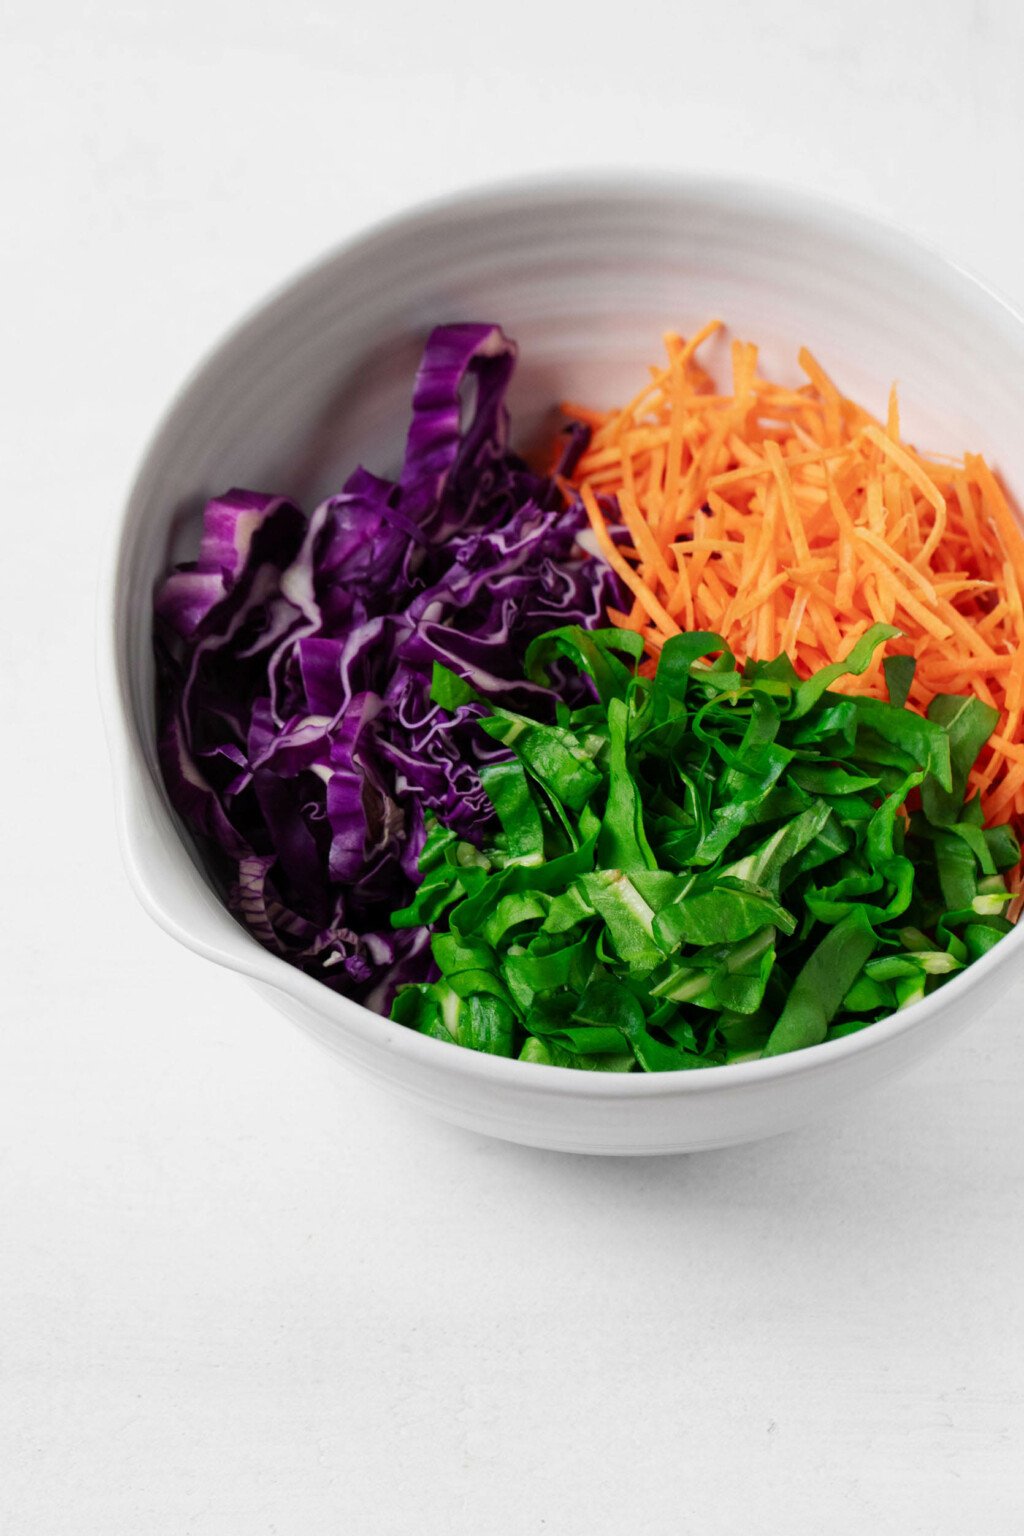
[(586, 275)]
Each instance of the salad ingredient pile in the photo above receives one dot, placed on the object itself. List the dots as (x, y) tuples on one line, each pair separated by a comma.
[(702, 746), (297, 736), (711, 865)]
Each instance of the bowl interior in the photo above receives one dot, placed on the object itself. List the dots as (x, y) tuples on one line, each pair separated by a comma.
[(586, 279)]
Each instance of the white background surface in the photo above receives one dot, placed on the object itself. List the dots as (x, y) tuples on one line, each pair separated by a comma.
[(238, 1295)]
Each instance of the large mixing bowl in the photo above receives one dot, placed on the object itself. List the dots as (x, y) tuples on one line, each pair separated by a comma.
[(586, 275)]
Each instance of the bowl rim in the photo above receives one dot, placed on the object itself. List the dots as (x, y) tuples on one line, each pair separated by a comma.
[(232, 946)]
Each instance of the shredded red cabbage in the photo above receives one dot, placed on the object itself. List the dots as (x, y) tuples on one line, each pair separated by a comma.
[(296, 733)]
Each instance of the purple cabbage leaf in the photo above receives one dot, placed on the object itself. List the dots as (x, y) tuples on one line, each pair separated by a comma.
[(297, 737)]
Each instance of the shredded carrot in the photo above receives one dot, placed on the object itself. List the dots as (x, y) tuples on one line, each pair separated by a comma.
[(637, 582), (792, 518)]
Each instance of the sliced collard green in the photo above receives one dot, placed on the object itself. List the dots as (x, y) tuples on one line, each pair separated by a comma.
[(705, 866)]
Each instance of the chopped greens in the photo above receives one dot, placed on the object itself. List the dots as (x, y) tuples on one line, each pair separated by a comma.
[(705, 866)]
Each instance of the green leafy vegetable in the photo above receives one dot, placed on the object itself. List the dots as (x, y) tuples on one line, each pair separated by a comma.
[(706, 866), (899, 674), (968, 723)]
